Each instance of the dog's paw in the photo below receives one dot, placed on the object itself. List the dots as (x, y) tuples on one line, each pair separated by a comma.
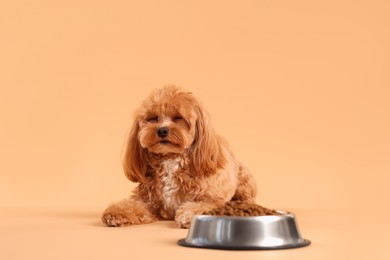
[(186, 211), (183, 219), (122, 214), (115, 220)]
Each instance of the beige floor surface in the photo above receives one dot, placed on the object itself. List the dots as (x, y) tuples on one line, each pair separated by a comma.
[(78, 234)]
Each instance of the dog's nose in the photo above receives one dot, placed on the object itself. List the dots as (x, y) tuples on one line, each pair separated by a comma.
[(163, 132)]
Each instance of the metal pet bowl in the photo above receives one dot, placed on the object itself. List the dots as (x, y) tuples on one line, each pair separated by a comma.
[(244, 233)]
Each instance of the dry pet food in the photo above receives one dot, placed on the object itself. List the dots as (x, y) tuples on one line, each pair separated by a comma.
[(240, 208)]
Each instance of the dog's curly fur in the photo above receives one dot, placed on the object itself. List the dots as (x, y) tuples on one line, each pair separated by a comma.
[(182, 167)]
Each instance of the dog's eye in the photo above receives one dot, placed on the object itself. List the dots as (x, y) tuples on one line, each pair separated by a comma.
[(177, 118), (153, 119)]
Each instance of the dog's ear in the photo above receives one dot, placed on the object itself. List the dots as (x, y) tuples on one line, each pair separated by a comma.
[(134, 161), (206, 151)]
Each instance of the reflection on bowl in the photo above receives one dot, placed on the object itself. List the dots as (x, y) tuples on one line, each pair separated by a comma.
[(244, 233)]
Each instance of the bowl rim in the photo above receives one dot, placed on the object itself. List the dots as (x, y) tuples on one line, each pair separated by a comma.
[(283, 214)]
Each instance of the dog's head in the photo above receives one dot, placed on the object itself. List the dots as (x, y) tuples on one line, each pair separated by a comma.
[(171, 120)]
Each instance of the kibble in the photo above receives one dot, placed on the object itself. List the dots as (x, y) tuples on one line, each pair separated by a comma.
[(242, 209)]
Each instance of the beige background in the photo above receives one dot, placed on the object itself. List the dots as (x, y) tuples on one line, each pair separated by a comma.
[(301, 90)]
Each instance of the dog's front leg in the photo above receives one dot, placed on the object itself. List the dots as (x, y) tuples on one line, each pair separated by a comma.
[(127, 212), (187, 210)]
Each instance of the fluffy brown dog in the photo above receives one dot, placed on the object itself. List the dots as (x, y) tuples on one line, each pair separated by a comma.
[(182, 167)]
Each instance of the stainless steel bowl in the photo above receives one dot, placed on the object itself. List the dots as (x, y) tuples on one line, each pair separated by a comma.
[(244, 233)]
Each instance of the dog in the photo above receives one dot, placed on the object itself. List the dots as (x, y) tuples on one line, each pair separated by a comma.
[(181, 165)]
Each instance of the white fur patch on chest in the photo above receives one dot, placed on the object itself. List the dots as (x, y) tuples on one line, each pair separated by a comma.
[(170, 187)]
